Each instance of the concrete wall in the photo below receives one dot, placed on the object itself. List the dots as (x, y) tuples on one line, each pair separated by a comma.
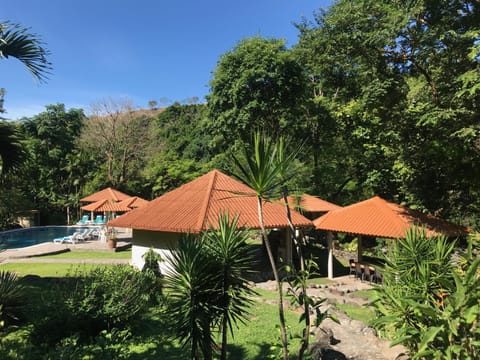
[(161, 242)]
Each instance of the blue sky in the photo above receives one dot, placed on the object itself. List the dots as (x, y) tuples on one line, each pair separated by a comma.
[(141, 50)]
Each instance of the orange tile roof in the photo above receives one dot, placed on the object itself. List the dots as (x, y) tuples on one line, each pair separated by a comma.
[(108, 194), (195, 206), (106, 206), (380, 218), (134, 202), (311, 203)]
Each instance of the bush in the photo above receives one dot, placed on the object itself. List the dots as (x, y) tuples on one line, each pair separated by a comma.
[(104, 299), (12, 299)]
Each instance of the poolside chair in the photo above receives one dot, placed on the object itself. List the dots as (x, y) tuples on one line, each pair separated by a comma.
[(85, 235), (99, 220), (83, 220), (352, 267), (358, 271), (368, 273), (72, 239)]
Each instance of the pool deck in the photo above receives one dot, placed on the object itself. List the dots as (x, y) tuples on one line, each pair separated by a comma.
[(50, 248)]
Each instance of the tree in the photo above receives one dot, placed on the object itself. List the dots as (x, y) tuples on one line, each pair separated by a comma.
[(54, 173), (393, 76), (257, 85), (11, 150), (259, 168), (119, 138)]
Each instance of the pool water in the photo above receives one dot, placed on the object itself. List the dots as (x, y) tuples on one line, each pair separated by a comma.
[(19, 238)]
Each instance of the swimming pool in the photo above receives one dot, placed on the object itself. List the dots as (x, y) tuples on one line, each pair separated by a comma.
[(13, 239)]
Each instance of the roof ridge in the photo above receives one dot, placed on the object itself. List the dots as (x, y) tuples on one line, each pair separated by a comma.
[(206, 201)]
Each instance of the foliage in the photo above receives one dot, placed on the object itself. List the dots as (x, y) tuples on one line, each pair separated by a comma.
[(257, 85), (52, 177), (102, 299), (192, 293), (17, 42), (12, 299), (232, 261), (12, 154), (152, 262), (432, 308), (260, 168), (298, 283)]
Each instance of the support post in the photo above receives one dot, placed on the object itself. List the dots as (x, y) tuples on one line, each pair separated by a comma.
[(359, 248), (330, 254)]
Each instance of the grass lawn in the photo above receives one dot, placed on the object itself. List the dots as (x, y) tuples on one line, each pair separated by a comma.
[(361, 313), (46, 270), (124, 254)]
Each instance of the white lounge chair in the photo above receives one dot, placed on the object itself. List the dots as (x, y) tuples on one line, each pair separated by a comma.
[(72, 239)]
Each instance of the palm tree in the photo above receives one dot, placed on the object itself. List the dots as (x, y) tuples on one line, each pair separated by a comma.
[(233, 259), (19, 43), (260, 169)]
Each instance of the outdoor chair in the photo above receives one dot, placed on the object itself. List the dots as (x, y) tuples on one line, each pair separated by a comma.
[(352, 267), (378, 278), (358, 271), (72, 239), (367, 273)]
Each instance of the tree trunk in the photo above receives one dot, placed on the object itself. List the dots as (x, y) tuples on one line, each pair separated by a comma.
[(298, 246), (281, 314)]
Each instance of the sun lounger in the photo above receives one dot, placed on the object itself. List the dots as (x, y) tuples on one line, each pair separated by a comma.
[(72, 239)]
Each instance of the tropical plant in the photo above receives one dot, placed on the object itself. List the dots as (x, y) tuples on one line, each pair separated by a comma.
[(259, 168), (17, 42), (431, 306), (193, 291), (226, 243), (12, 299)]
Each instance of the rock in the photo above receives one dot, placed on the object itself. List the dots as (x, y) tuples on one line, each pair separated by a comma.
[(368, 331), (402, 356)]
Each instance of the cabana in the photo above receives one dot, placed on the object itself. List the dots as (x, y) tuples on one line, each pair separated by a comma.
[(195, 207), (380, 218), (106, 194), (310, 206)]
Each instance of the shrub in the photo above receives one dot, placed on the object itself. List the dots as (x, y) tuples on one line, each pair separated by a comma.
[(12, 299), (103, 299)]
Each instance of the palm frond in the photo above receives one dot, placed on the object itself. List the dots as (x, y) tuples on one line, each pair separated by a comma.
[(19, 43)]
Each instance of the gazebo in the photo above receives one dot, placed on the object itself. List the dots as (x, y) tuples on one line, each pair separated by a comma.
[(380, 218), (311, 206), (110, 200), (195, 207)]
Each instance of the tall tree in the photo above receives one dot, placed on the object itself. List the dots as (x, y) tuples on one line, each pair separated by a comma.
[(257, 85), (398, 78), (53, 176), (119, 137)]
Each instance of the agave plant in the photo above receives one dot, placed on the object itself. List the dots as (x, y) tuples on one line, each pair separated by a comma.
[(12, 299)]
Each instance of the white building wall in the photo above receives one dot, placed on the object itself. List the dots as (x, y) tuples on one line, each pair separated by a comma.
[(161, 242)]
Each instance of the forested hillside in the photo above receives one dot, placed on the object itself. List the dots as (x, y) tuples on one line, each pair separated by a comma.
[(383, 95)]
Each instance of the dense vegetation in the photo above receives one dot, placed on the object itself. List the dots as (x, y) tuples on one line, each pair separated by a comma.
[(384, 97)]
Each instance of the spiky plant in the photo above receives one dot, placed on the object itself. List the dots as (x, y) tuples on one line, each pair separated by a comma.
[(12, 299)]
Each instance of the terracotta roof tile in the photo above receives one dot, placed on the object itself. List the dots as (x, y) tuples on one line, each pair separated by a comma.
[(311, 203), (133, 202), (106, 194), (380, 218), (195, 206), (105, 206)]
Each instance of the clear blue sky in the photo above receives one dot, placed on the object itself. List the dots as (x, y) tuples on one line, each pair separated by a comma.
[(142, 50)]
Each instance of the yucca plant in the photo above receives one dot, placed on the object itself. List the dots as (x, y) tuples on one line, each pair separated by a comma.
[(192, 284), (232, 258), (12, 299)]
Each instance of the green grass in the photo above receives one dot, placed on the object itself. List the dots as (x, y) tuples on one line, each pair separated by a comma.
[(125, 254), (370, 294), (45, 270), (361, 313)]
